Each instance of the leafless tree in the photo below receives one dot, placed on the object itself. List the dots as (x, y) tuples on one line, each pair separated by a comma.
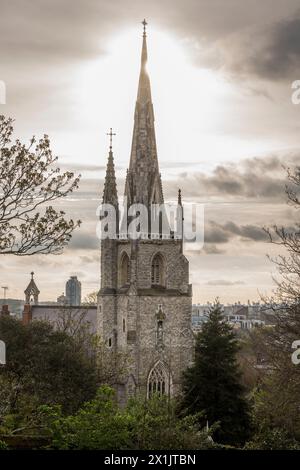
[(278, 403), (110, 365)]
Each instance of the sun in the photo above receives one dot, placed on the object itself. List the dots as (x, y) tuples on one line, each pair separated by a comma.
[(187, 99)]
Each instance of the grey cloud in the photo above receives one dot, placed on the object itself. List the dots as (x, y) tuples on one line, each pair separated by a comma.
[(223, 282), (258, 91), (84, 241), (211, 249), (253, 180), (250, 232), (89, 259), (216, 233), (258, 178), (53, 30), (66, 30), (270, 52)]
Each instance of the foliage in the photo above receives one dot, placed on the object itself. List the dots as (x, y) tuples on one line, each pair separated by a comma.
[(272, 438), (101, 424), (29, 181), (156, 424), (213, 384), (43, 366), (3, 445)]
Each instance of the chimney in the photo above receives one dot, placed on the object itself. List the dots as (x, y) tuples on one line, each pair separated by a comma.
[(4, 311), (27, 314)]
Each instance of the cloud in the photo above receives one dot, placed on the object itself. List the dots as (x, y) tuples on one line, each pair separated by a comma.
[(89, 259), (211, 249), (55, 29), (258, 178), (224, 282), (270, 52), (250, 232), (216, 233), (84, 241), (76, 167), (44, 60)]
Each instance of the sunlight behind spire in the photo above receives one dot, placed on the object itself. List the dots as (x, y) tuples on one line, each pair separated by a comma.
[(190, 103)]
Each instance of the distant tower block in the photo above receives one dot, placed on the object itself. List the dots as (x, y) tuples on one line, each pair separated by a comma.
[(73, 291), (32, 292)]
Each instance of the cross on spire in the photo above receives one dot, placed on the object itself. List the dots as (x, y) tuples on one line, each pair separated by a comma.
[(144, 23), (111, 134)]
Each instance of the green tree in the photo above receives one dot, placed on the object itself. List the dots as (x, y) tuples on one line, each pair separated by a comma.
[(44, 366), (156, 425), (212, 385), (98, 424), (30, 181), (101, 424)]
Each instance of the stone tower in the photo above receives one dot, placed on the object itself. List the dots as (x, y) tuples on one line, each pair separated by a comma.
[(145, 300)]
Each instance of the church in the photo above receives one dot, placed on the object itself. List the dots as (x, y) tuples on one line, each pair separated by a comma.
[(145, 299)]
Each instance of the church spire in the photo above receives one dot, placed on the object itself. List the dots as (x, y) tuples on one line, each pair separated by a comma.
[(110, 194), (144, 89), (179, 197), (143, 182), (31, 292)]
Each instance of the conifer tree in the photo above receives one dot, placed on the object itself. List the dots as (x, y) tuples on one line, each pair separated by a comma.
[(212, 385)]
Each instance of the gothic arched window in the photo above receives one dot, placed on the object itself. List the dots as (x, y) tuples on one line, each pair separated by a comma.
[(125, 270), (157, 270), (158, 380)]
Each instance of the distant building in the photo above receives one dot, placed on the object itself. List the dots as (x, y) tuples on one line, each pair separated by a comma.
[(239, 316), (15, 306), (65, 314), (62, 299), (73, 291), (199, 316), (62, 317)]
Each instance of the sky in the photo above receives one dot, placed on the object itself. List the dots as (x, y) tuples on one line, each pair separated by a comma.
[(221, 75)]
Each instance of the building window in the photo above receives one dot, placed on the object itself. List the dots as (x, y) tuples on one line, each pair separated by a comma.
[(157, 270), (109, 342), (125, 270), (124, 325), (158, 380)]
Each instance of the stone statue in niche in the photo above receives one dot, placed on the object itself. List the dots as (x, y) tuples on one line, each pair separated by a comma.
[(160, 317)]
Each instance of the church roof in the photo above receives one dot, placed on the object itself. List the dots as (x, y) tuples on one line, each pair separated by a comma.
[(143, 181), (32, 287)]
